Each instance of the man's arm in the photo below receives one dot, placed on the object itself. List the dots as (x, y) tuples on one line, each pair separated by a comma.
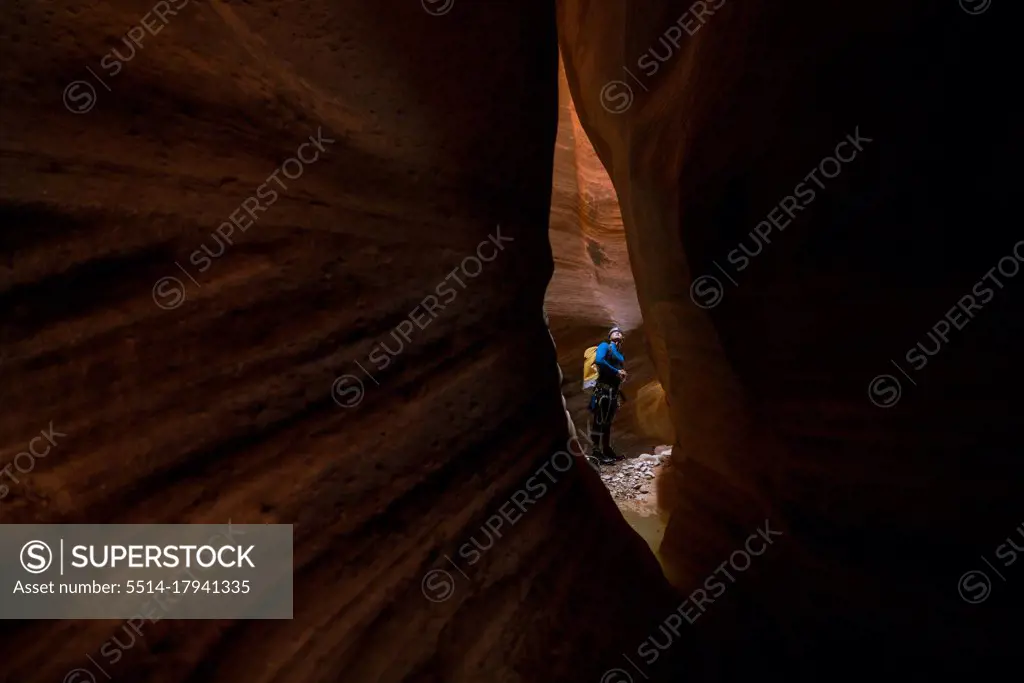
[(601, 358)]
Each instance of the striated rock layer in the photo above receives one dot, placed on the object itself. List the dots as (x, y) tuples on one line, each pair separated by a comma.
[(592, 282), (208, 397), (783, 382)]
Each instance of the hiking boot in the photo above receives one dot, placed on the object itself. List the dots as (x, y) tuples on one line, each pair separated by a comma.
[(605, 458)]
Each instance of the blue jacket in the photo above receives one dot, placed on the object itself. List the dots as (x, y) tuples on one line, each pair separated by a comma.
[(608, 361)]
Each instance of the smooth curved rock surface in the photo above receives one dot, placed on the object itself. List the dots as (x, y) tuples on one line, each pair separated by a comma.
[(882, 509), (221, 407)]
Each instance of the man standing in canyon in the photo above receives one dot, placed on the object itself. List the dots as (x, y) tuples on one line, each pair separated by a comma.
[(605, 400)]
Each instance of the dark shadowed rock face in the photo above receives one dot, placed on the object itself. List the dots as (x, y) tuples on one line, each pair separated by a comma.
[(209, 397), (771, 366)]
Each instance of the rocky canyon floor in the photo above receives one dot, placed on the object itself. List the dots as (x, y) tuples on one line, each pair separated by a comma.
[(633, 484)]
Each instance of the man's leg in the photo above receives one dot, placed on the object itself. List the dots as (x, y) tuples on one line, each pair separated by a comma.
[(604, 414), (594, 425), (594, 432), (613, 404)]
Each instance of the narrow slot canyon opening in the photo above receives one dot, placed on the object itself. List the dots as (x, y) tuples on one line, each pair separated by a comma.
[(591, 290), (281, 270)]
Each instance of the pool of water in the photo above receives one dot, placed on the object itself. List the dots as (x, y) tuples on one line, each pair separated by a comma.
[(650, 527)]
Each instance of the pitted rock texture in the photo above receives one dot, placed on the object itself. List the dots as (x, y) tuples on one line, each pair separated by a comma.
[(221, 407), (593, 283)]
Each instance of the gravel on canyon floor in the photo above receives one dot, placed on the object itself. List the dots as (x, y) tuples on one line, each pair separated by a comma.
[(632, 479)]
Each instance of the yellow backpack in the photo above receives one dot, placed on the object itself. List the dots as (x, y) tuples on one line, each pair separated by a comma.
[(589, 367)]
